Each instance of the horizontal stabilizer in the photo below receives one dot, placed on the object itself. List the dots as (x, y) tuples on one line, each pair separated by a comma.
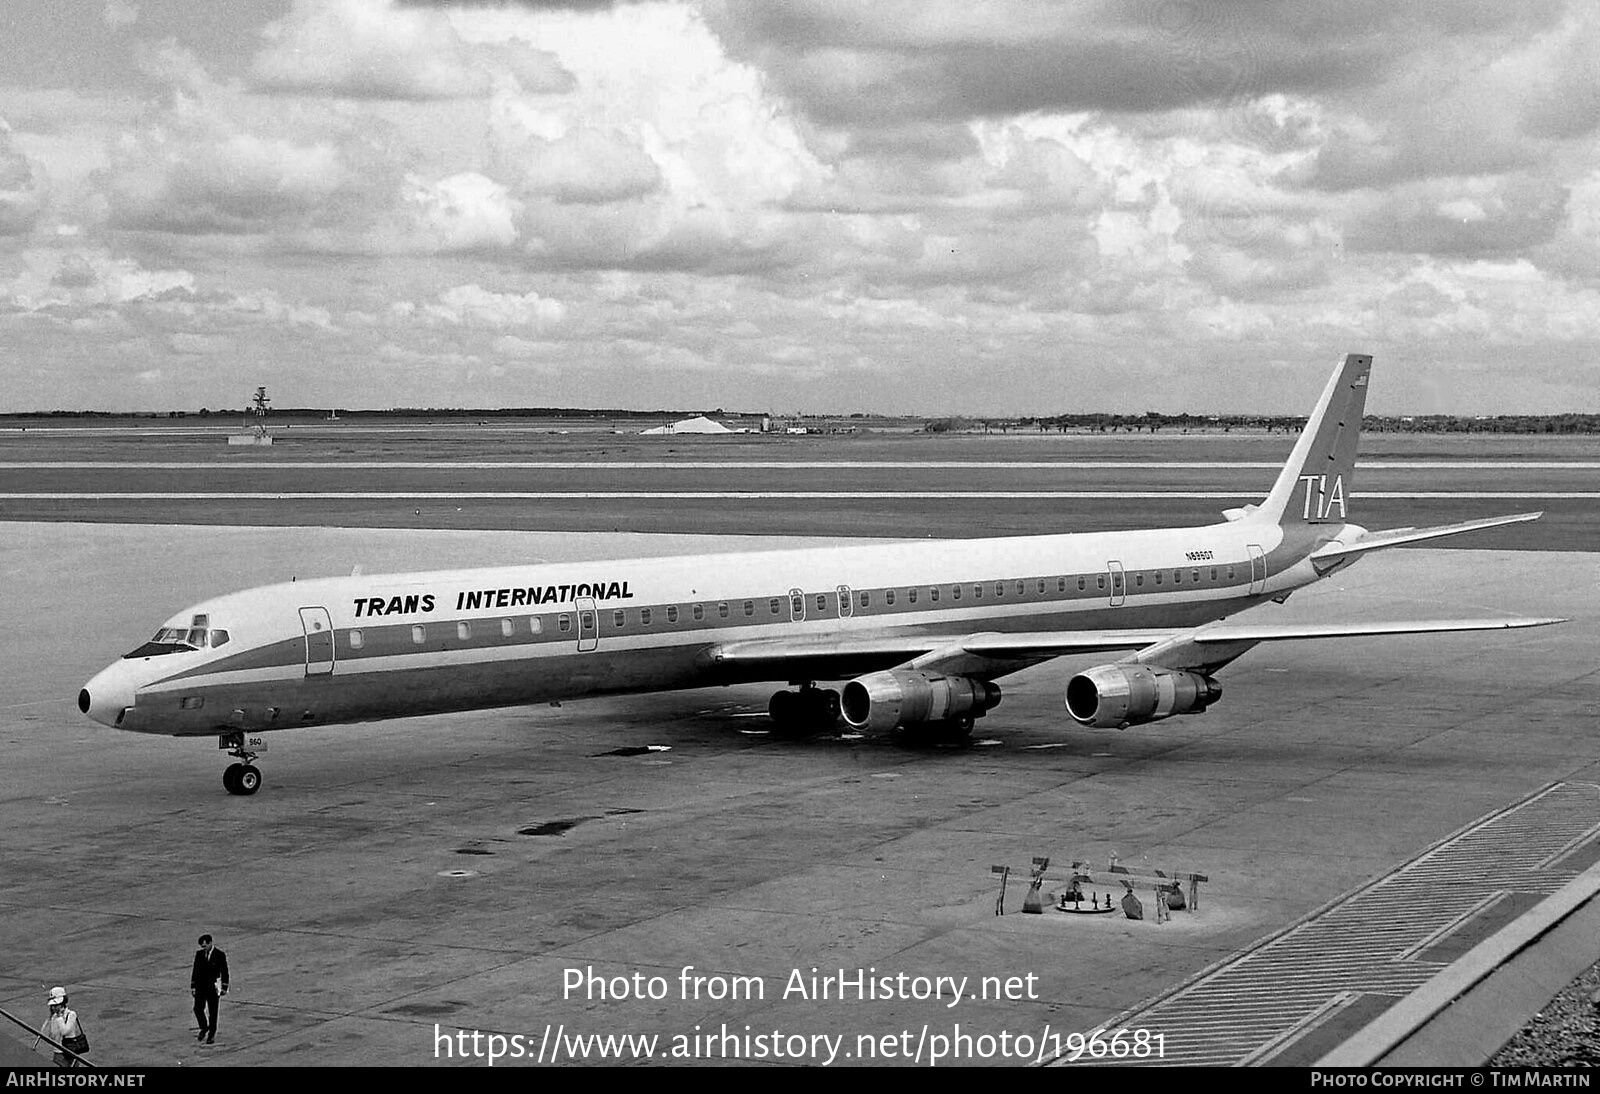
[(1394, 537)]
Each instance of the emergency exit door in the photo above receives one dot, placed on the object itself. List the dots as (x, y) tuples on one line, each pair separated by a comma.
[(1258, 569), (1119, 583), (588, 623)]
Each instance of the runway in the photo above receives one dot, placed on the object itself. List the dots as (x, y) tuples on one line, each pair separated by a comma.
[(400, 881), (863, 484)]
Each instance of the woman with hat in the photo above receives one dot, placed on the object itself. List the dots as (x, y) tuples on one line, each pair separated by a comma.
[(63, 1028)]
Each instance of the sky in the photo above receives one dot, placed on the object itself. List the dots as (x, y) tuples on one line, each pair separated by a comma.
[(983, 207)]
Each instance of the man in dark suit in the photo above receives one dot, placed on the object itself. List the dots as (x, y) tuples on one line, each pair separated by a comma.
[(208, 983)]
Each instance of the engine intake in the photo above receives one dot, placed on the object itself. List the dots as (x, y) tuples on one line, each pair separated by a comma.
[(1130, 695), (884, 700)]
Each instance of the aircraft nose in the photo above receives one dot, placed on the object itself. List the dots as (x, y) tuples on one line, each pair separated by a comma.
[(106, 696)]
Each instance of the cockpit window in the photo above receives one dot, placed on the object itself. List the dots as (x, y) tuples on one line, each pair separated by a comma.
[(178, 640)]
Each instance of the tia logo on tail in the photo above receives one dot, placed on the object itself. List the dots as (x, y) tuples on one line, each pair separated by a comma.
[(1324, 499)]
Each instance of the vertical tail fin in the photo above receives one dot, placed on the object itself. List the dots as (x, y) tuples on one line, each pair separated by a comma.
[(1314, 486)]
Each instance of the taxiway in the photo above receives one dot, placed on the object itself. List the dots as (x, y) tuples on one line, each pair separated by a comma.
[(397, 881)]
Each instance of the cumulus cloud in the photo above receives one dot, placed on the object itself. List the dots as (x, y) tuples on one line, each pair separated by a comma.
[(464, 212), (583, 166), (373, 49), (120, 13), (471, 305), (723, 197), (22, 195), (89, 279), (199, 182), (1474, 217), (659, 157)]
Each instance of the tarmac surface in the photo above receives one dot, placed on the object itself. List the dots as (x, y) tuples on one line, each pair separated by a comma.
[(396, 883)]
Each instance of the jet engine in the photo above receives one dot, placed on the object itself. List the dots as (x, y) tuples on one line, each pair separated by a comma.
[(884, 700), (1130, 695)]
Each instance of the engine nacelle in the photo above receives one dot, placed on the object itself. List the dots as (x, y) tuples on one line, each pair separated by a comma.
[(1129, 695), (883, 700)]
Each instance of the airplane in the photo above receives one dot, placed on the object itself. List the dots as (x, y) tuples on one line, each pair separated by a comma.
[(918, 633)]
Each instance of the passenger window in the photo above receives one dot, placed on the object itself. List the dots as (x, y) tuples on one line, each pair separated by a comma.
[(749, 607), (1158, 577), (644, 617), (1021, 588), (866, 600), (1100, 580), (1041, 586), (776, 605), (933, 592), (1230, 573), (356, 641), (955, 592), (463, 630), (534, 626), (722, 610), (1213, 573), (1177, 577), (1061, 584), (699, 611), (888, 596), (1082, 584), (616, 618), (911, 595), (1194, 575), (564, 622), (219, 638), (1138, 579), (507, 628), (822, 602), (672, 613), (797, 606), (419, 634)]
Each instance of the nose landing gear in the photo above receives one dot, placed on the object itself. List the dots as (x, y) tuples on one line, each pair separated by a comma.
[(242, 778)]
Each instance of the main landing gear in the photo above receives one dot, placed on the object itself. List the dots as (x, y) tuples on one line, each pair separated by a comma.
[(809, 710), (956, 731), (243, 778)]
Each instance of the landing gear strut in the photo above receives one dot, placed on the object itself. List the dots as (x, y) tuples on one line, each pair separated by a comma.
[(242, 778), (809, 710)]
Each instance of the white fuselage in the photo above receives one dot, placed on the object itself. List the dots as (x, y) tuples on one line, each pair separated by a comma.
[(364, 647)]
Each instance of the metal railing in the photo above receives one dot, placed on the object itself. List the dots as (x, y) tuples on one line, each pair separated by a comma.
[(75, 1059)]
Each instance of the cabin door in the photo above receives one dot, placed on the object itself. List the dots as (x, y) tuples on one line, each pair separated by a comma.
[(319, 640), (588, 623)]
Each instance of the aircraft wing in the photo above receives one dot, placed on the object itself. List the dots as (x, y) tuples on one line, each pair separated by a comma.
[(1394, 537), (996, 653)]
